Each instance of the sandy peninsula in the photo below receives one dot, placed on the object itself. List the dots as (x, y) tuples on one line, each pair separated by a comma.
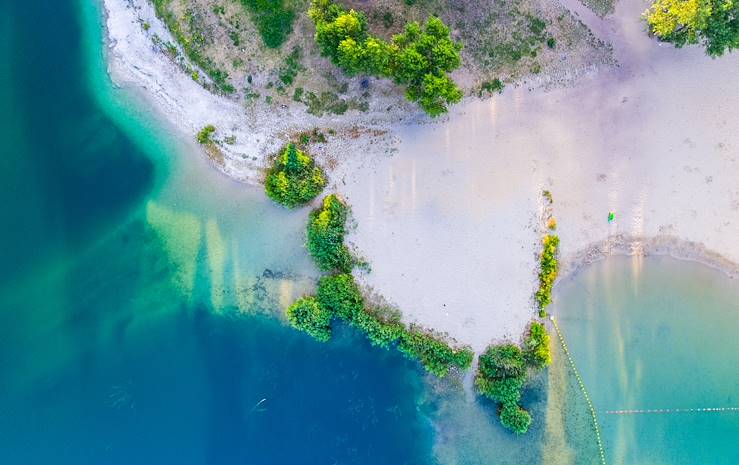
[(449, 213)]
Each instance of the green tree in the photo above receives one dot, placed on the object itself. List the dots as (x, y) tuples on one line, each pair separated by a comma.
[(504, 360), (713, 23), (205, 135), (515, 418), (340, 295), (420, 58), (294, 179), (435, 355), (549, 268), (326, 230), (536, 346), (333, 26)]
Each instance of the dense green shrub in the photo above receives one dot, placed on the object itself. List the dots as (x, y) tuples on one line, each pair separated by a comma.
[(435, 355), (205, 135), (273, 19), (420, 58), (340, 295), (326, 229), (712, 23), (308, 315), (515, 418), (502, 390), (379, 332), (536, 346), (549, 267), (504, 360), (294, 178), (502, 373)]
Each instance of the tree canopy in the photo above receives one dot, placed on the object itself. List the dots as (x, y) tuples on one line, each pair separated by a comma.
[(420, 58), (294, 178), (502, 374), (712, 23)]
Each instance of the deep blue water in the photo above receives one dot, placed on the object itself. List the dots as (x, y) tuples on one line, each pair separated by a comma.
[(108, 354)]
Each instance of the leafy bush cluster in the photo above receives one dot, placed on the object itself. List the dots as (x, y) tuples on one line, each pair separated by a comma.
[(294, 179), (205, 135), (420, 58), (712, 23), (326, 230), (341, 298), (536, 346), (433, 353), (308, 315), (338, 296), (273, 19), (502, 374), (549, 267)]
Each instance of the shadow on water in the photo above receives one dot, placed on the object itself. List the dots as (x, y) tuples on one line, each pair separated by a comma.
[(67, 170), (133, 329)]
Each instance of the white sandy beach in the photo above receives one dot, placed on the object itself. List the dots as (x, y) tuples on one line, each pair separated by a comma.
[(450, 221)]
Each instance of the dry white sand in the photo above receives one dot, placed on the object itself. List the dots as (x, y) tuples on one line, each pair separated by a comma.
[(259, 130), (450, 223)]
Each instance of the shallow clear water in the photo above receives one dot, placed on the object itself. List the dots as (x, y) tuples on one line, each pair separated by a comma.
[(139, 291), (657, 334)]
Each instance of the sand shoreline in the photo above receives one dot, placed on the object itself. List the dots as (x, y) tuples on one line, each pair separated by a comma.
[(645, 247), (448, 213)]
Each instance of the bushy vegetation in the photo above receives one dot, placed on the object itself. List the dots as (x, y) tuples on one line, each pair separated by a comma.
[(294, 178), (433, 353), (712, 23), (308, 315), (340, 295), (549, 267), (536, 346), (515, 418), (326, 230), (494, 86), (205, 135), (273, 19), (502, 374), (420, 58)]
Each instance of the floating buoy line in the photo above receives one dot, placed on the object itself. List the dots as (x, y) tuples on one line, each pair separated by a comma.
[(584, 391), (673, 410)]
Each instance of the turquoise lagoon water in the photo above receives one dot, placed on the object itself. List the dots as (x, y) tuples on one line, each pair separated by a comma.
[(139, 291), (657, 334)]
